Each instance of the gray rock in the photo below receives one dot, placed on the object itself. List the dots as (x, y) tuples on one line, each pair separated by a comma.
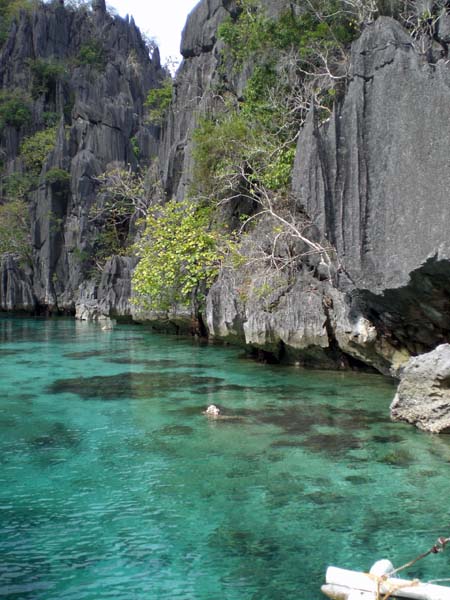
[(423, 396), (16, 287), (111, 296), (374, 179)]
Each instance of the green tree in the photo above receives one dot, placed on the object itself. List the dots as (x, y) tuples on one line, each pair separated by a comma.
[(179, 253)]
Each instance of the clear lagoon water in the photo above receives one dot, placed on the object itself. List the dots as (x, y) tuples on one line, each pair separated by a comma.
[(113, 484)]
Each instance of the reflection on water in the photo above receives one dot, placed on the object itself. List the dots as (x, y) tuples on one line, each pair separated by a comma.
[(144, 497)]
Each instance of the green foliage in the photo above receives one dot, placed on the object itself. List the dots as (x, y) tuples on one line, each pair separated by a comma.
[(35, 149), (277, 172), (17, 185), (57, 176), (46, 74), (14, 109), (50, 118), (158, 101), (107, 243), (235, 153), (180, 253), (219, 146), (252, 34), (135, 146), (9, 9), (92, 54), (252, 144), (244, 35), (14, 230)]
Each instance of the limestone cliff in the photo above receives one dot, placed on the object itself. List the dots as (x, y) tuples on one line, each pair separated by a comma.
[(101, 74)]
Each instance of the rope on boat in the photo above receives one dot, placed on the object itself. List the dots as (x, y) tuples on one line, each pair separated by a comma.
[(382, 580), (439, 546)]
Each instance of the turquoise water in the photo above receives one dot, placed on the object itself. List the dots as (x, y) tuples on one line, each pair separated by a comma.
[(114, 485)]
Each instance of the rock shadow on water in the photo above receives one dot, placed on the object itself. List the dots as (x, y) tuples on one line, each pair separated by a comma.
[(82, 355), (128, 385), (58, 436), (151, 364), (324, 498), (175, 431), (332, 444), (392, 438), (8, 352), (399, 457), (244, 544), (358, 479), (284, 443)]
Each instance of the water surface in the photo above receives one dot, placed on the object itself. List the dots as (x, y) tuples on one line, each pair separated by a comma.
[(114, 485)]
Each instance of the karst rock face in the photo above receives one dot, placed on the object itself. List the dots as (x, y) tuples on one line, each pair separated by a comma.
[(373, 180), (99, 110)]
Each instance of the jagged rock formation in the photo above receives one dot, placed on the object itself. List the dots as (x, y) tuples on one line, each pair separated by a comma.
[(106, 73), (374, 182), (423, 396), (192, 93)]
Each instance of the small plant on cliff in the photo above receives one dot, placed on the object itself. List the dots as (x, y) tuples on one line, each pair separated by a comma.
[(57, 176), (92, 54), (180, 253), (35, 149), (46, 75), (14, 109), (9, 9), (16, 186), (158, 102), (15, 230)]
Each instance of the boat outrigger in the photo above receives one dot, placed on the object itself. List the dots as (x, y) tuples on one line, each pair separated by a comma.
[(381, 583)]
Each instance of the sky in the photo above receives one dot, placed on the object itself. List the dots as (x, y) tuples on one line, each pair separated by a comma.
[(162, 20)]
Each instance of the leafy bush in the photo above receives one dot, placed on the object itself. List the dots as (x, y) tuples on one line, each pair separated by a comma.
[(220, 147), (135, 146), (46, 74), (50, 118), (15, 230), (16, 186), (14, 109), (158, 102), (9, 9), (180, 253), (57, 176), (35, 149), (92, 54)]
